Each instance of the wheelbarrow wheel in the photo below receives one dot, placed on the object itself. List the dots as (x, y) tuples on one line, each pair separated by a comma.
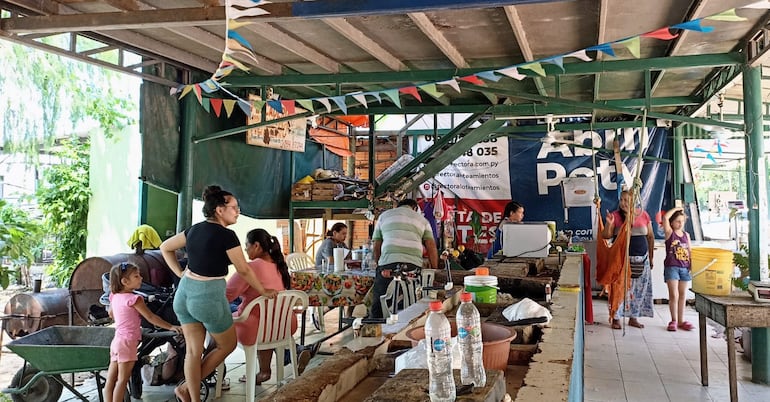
[(45, 388), (204, 390)]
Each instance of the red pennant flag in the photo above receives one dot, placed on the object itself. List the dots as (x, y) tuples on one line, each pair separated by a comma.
[(197, 90), (662, 34), (472, 79), (217, 105), (288, 107), (411, 91)]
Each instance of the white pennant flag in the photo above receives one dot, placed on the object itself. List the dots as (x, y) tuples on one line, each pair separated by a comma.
[(361, 98), (580, 54), (760, 4), (512, 72), (234, 13), (452, 83), (325, 102)]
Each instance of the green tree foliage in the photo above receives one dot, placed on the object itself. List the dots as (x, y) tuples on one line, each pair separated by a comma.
[(20, 239), (63, 197), (46, 96)]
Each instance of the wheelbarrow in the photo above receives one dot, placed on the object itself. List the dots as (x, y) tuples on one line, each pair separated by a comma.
[(54, 351)]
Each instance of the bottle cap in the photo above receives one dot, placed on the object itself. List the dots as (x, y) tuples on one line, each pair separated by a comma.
[(436, 305), (466, 297), (482, 271)]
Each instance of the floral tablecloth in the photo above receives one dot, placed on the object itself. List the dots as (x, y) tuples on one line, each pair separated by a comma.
[(333, 289)]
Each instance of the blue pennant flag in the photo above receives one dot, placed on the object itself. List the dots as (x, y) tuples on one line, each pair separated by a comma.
[(711, 158), (693, 25), (235, 35), (340, 101), (489, 76), (604, 47), (276, 105)]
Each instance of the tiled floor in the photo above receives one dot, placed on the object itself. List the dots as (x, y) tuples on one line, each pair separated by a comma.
[(652, 364)]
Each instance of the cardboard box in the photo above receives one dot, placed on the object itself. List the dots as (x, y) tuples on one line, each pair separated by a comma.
[(326, 191)]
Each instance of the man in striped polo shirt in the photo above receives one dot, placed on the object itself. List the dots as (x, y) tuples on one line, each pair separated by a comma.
[(399, 237)]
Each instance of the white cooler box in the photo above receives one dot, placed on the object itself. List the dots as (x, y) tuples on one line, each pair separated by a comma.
[(526, 239)]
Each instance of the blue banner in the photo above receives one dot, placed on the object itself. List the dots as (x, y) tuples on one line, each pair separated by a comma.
[(538, 164)]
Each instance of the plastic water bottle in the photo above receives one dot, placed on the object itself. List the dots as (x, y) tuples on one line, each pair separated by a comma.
[(471, 348), (437, 336)]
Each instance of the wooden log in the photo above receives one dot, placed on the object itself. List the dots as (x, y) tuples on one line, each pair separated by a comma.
[(411, 385)]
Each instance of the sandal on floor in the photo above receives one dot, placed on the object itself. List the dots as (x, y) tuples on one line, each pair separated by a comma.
[(634, 323), (615, 324), (226, 384), (686, 326), (262, 378), (671, 326)]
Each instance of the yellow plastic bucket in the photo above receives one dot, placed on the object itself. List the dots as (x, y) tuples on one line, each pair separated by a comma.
[(712, 270)]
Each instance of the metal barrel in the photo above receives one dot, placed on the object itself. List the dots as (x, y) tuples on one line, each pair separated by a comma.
[(86, 281), (26, 313)]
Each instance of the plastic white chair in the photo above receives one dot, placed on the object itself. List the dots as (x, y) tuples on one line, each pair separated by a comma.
[(297, 262), (274, 332), (426, 279), (387, 302)]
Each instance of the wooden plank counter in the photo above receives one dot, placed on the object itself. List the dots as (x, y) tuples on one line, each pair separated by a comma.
[(411, 385)]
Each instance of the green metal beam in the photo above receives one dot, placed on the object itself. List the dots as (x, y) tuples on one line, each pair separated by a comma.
[(438, 144), (541, 128), (449, 155), (596, 67), (601, 106), (712, 85)]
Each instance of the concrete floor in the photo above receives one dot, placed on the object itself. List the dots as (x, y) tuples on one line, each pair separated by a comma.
[(652, 364)]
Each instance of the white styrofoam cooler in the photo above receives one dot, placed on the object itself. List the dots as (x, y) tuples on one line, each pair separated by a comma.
[(526, 239)]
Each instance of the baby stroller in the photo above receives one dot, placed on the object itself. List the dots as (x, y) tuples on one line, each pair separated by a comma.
[(168, 365)]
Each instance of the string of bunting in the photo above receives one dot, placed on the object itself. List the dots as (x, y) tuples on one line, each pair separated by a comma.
[(237, 45)]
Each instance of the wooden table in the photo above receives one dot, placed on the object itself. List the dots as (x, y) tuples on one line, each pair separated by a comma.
[(736, 310)]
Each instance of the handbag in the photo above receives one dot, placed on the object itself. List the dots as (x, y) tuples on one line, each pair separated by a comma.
[(637, 264)]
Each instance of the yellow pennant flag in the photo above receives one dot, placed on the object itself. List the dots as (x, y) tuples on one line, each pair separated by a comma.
[(536, 67), (229, 105), (632, 45), (185, 90)]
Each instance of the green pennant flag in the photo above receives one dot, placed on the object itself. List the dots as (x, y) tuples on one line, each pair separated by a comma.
[(535, 67), (728, 15), (632, 44), (258, 104), (206, 105), (431, 90), (306, 104), (393, 95)]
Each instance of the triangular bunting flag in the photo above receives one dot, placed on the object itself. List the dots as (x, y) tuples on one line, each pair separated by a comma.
[(340, 101), (662, 34), (197, 89), (472, 79), (216, 103), (236, 63), (233, 24), (693, 25), (512, 72), (489, 76), (376, 96), (276, 105), (431, 90), (535, 67), (580, 54), (326, 103), (258, 104), (229, 105), (632, 44), (245, 106), (452, 83), (209, 86), (393, 95), (306, 104), (206, 105), (185, 90), (411, 91), (174, 90), (288, 107), (764, 4), (231, 34), (360, 98), (727, 15), (558, 61), (235, 13), (244, 3), (604, 47)]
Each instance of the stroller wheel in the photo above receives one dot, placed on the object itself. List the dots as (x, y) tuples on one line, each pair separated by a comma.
[(204, 390)]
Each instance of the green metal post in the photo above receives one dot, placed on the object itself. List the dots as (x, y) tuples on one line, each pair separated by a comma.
[(756, 200), (185, 196), (143, 193), (677, 165)]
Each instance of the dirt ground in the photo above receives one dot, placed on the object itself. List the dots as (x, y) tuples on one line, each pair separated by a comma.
[(9, 362)]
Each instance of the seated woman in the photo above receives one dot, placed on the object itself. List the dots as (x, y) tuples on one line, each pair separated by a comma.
[(335, 237), (513, 213), (269, 266)]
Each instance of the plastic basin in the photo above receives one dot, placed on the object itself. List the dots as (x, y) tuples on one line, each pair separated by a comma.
[(496, 340)]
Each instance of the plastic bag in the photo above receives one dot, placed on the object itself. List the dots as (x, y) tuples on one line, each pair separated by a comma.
[(526, 308), (417, 357)]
